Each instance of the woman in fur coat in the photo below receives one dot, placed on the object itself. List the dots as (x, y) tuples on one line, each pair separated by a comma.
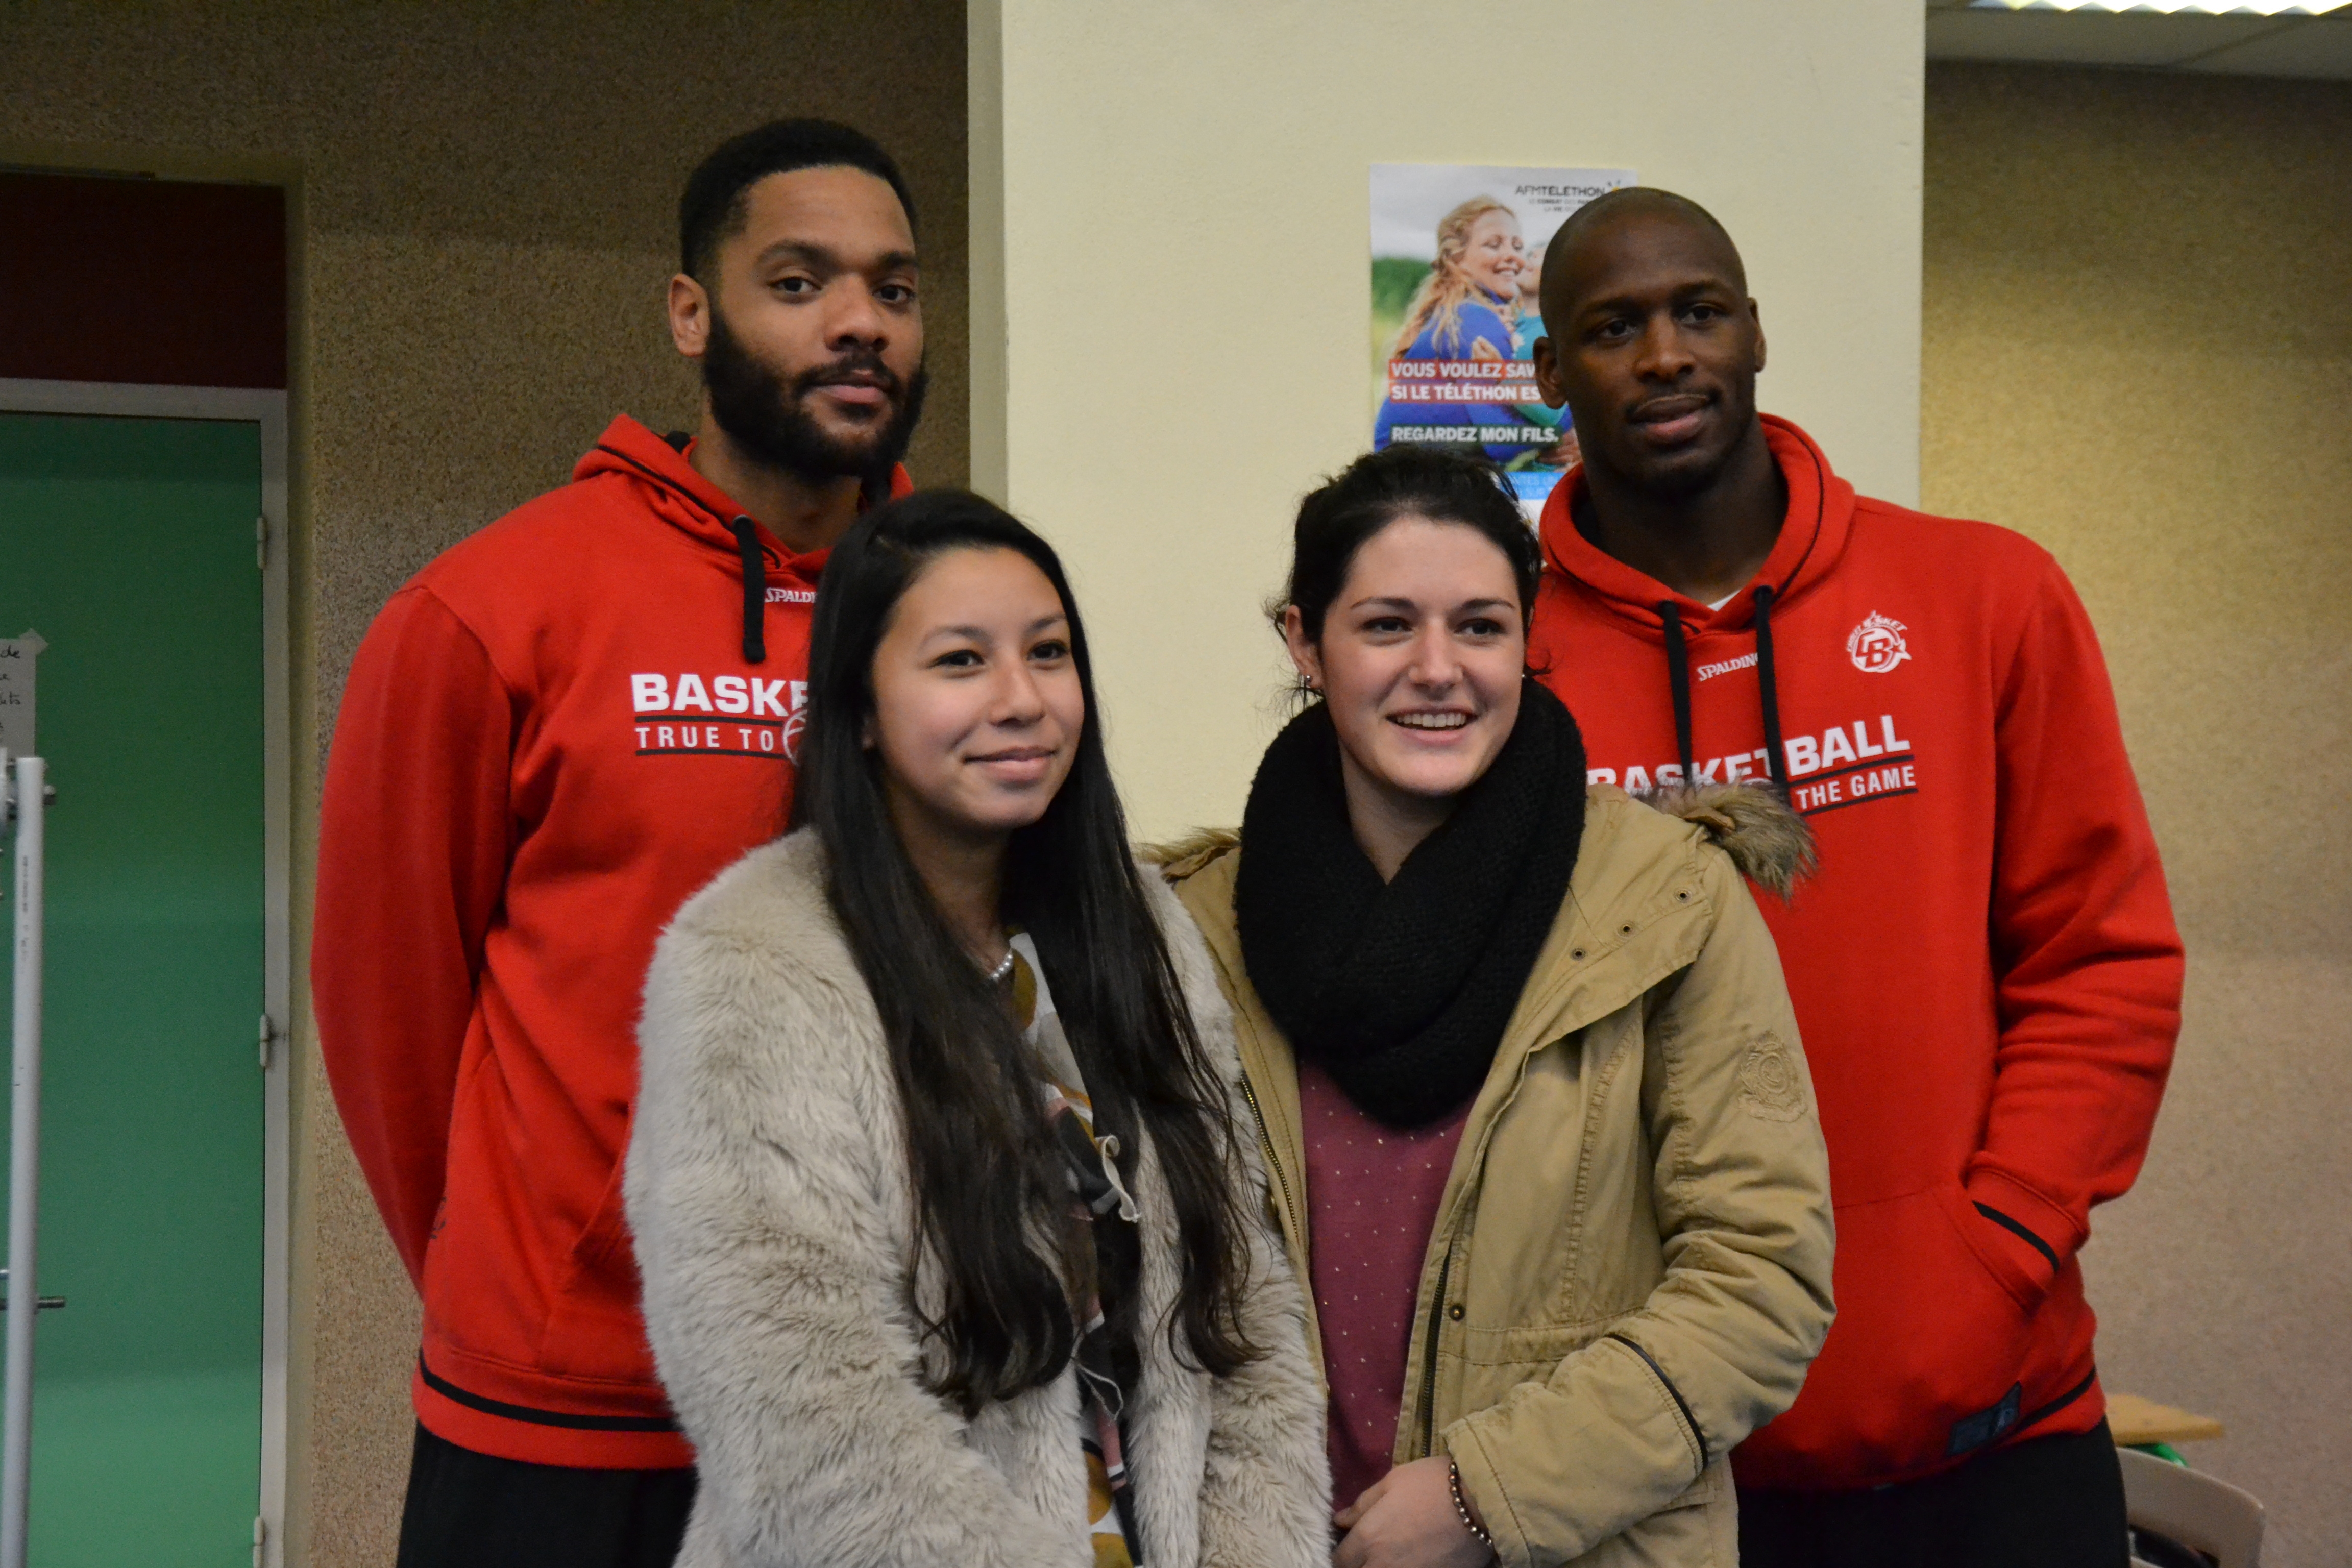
[(950, 1252), (1523, 1064)]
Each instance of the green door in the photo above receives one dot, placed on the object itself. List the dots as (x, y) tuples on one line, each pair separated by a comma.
[(128, 544)]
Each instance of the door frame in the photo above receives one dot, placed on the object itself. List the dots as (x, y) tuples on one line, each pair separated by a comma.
[(267, 409)]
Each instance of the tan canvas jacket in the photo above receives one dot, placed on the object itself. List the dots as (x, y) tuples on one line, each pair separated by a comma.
[(1630, 1269)]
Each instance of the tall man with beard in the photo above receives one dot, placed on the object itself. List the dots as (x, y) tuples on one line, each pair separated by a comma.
[(551, 737)]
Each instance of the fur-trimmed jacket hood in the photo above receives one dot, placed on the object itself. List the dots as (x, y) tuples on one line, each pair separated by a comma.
[(767, 1186)]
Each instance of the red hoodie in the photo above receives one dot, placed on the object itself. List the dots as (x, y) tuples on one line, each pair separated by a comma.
[(551, 737), (1985, 969)]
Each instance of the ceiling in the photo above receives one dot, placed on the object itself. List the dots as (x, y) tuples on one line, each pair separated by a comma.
[(2232, 46)]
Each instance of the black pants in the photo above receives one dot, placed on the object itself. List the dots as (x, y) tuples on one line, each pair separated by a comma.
[(2053, 1502), (470, 1510)]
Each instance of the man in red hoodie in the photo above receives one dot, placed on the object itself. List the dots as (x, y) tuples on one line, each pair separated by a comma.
[(1985, 969), (551, 737)]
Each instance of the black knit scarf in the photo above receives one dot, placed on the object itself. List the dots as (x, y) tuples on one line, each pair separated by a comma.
[(1400, 990)]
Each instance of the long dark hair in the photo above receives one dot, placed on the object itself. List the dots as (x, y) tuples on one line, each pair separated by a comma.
[(991, 1189)]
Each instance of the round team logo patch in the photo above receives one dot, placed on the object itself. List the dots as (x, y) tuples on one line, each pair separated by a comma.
[(1876, 645)]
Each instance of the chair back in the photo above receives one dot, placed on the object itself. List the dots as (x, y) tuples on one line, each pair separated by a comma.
[(2197, 1510)]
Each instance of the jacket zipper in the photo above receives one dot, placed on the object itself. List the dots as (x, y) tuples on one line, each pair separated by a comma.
[(1445, 1272), (1429, 1358), (1273, 1165)]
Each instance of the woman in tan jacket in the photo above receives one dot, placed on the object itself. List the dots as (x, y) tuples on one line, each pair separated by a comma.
[(1522, 1063)]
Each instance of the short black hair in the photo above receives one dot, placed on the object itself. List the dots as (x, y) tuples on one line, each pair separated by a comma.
[(713, 209), (1407, 479), (1631, 201)]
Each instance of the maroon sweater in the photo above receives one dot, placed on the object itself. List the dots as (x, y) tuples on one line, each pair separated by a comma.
[(1371, 1200)]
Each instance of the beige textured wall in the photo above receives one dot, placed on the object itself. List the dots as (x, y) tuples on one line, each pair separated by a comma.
[(2138, 350), (486, 199), (1202, 169)]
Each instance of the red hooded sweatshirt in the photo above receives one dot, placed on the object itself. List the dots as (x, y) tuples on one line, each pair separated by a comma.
[(1985, 969), (551, 738)]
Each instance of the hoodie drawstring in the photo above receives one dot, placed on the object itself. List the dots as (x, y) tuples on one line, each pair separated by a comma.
[(1776, 756), (1775, 759), (1679, 678), (755, 591)]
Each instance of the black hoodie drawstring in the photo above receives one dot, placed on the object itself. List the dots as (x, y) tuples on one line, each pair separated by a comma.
[(1776, 760), (1678, 677), (755, 591), (1776, 756)]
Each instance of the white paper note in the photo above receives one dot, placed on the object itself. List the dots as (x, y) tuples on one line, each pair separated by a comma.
[(17, 657)]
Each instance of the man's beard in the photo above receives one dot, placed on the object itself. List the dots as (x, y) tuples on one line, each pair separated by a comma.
[(765, 412)]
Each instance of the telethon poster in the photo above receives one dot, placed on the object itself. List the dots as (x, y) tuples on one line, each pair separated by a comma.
[(1456, 253)]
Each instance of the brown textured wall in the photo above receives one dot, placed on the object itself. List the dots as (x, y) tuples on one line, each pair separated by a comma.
[(482, 224), (2138, 350)]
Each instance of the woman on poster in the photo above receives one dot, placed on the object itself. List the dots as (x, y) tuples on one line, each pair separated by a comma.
[(1465, 311)]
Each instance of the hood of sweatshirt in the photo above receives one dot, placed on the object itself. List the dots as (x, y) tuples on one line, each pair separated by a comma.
[(677, 492), (1812, 536)]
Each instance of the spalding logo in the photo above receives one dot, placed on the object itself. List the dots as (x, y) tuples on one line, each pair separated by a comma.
[(1876, 645)]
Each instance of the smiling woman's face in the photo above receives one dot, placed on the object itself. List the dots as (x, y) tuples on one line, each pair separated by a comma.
[(1420, 660), (1492, 257), (977, 704)]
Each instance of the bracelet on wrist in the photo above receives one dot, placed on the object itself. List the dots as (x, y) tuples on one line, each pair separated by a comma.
[(1462, 1506)]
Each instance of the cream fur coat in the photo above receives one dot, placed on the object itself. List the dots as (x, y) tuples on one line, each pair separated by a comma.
[(768, 1193)]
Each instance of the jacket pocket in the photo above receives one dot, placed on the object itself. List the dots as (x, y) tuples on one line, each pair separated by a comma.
[(1489, 1364), (607, 1230), (595, 1324), (1922, 1361), (1975, 1221)]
